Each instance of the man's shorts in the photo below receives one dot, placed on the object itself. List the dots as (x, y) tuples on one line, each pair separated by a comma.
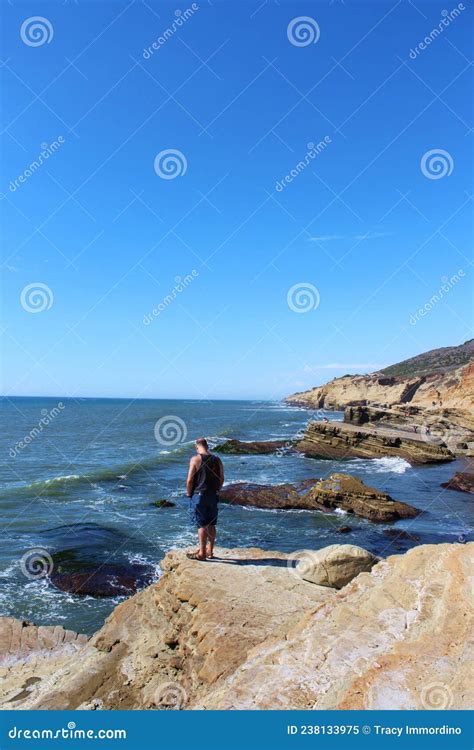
[(203, 509)]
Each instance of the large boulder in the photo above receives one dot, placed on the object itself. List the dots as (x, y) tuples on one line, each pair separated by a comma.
[(335, 565), (339, 490), (349, 493)]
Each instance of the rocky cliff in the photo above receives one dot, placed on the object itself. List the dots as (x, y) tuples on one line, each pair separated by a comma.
[(453, 390), (439, 379), (246, 631)]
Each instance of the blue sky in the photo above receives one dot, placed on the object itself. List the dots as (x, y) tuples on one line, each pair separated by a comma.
[(229, 89)]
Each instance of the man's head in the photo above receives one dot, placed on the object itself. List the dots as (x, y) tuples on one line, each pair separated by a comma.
[(201, 445)]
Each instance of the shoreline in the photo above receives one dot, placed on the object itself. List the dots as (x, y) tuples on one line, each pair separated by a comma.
[(247, 631)]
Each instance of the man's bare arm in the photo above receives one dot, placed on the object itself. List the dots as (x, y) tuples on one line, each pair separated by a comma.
[(221, 473), (193, 467)]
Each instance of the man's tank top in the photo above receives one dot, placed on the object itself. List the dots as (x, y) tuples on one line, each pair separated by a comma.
[(207, 477)]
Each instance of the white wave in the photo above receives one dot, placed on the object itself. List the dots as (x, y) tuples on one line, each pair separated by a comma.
[(61, 478), (387, 464)]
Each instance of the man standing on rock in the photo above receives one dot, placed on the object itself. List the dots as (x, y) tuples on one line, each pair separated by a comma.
[(205, 479)]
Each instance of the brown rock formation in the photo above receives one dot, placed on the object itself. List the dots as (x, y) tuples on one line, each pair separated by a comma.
[(342, 440), (29, 654), (435, 389), (167, 645), (462, 481), (246, 632), (395, 638), (239, 447), (337, 491)]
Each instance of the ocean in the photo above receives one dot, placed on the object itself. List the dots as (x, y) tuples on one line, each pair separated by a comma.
[(80, 476)]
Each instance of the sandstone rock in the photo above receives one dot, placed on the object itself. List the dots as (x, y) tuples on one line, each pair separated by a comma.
[(349, 493), (339, 490), (462, 481), (342, 440), (167, 645), (29, 654), (260, 447), (436, 387), (395, 638), (335, 565), (245, 632), (102, 579)]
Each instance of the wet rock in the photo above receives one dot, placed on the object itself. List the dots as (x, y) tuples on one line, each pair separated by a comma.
[(346, 440), (344, 529), (341, 491), (462, 481), (401, 534), (99, 580), (256, 447), (163, 504)]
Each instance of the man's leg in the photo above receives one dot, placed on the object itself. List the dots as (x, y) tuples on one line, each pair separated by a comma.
[(211, 538), (202, 534)]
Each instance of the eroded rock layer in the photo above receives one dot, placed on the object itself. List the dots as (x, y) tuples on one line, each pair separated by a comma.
[(246, 632)]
